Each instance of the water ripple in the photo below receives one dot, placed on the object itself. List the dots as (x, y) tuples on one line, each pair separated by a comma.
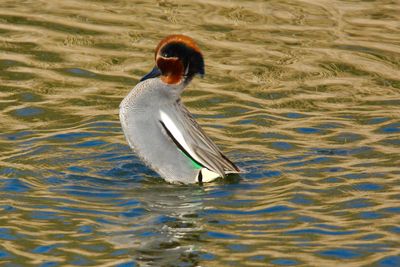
[(303, 95)]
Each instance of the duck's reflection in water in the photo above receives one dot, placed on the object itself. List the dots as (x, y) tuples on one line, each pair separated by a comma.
[(162, 226)]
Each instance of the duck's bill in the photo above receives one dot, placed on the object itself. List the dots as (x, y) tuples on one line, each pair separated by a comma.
[(155, 72)]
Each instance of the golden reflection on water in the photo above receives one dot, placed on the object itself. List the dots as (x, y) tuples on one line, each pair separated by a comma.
[(303, 94)]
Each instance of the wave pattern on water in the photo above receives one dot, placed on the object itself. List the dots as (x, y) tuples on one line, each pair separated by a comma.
[(303, 95)]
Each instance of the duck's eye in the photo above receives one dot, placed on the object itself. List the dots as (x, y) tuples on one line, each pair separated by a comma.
[(165, 54)]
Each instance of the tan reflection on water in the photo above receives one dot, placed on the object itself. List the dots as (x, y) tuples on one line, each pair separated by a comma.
[(273, 68)]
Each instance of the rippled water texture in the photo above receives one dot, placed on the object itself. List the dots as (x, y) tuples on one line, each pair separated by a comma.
[(305, 95)]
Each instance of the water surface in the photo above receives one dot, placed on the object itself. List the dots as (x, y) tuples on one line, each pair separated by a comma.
[(305, 95)]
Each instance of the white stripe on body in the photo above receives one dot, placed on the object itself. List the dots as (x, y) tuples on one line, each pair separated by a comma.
[(206, 173), (177, 134)]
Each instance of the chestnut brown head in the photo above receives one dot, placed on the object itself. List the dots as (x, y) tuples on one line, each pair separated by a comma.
[(178, 58)]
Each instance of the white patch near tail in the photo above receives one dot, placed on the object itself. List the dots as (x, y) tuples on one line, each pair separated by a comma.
[(208, 176)]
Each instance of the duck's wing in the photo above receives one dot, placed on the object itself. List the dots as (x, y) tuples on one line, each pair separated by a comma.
[(187, 134)]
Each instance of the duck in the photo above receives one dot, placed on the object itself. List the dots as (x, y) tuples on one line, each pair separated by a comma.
[(160, 129)]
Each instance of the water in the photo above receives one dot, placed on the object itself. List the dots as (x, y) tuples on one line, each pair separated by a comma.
[(305, 95)]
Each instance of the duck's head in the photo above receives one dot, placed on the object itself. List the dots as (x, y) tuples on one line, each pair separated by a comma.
[(178, 59)]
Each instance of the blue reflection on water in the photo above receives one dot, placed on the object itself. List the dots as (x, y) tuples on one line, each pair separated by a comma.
[(126, 264), (238, 247), (44, 215), (370, 215), (357, 203), (20, 135), (285, 262), (207, 256), (302, 199), (50, 264), (340, 253), (44, 249), (5, 234), (368, 187), (14, 185), (390, 128), (257, 258), (308, 130), (389, 261), (86, 229), (221, 235), (294, 115), (29, 112), (319, 232), (4, 254), (279, 208), (282, 145)]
